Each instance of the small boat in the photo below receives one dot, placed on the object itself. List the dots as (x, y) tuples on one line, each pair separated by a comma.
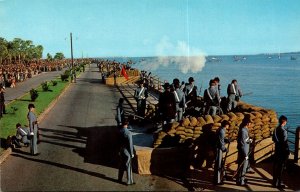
[(293, 58)]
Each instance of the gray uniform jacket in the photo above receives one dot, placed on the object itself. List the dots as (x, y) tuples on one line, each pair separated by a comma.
[(281, 142), (236, 91), (126, 142), (243, 141), (211, 96), (179, 98), (138, 95)]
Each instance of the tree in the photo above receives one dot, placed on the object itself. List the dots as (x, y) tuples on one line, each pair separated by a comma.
[(3, 50), (49, 57), (59, 56)]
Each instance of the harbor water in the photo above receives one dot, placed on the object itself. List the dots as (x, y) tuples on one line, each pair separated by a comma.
[(273, 80)]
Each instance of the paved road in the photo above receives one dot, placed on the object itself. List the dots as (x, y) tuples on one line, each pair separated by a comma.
[(69, 149), (25, 86)]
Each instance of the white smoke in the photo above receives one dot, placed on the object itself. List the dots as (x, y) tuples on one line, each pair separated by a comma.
[(187, 59)]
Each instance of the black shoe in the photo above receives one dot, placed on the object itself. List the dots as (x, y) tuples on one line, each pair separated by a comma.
[(37, 154), (131, 183), (250, 172)]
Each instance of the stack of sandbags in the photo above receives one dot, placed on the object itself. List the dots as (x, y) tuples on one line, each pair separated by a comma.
[(264, 122)]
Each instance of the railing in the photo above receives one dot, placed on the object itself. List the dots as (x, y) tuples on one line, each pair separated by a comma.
[(296, 143)]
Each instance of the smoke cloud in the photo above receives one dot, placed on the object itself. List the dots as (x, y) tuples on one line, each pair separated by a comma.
[(187, 59)]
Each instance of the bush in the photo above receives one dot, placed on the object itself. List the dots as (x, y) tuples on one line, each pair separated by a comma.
[(65, 76), (45, 86), (54, 83), (33, 94)]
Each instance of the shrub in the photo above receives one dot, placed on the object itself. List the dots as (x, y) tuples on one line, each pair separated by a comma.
[(65, 76), (45, 86), (33, 94), (54, 83)]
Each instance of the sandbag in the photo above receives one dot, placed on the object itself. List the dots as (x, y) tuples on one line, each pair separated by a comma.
[(208, 119), (193, 121), (216, 118), (201, 121), (185, 122)]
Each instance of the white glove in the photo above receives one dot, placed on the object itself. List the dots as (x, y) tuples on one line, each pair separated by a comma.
[(246, 158), (132, 156), (31, 133)]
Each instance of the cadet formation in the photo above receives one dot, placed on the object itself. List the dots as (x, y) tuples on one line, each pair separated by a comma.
[(176, 101)]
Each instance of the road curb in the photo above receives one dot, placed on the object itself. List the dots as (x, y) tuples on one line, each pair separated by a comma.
[(8, 151)]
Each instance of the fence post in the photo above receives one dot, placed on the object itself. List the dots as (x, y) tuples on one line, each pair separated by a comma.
[(297, 145)]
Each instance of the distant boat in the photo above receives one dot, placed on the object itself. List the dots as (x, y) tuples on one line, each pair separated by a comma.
[(293, 58)]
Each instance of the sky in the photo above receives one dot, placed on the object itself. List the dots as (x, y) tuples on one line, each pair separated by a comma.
[(154, 27)]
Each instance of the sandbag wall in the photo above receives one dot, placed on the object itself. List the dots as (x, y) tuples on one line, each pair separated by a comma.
[(264, 122)]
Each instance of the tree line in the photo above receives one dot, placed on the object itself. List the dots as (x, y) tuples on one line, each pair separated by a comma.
[(23, 51)]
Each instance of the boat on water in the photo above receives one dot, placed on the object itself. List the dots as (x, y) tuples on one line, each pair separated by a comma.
[(293, 58)]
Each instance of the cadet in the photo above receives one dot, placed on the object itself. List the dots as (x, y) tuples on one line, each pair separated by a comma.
[(180, 100), (219, 171), (243, 145), (33, 128), (191, 92), (234, 93), (281, 151), (120, 116), (126, 153), (167, 104), (21, 136), (212, 98), (140, 95)]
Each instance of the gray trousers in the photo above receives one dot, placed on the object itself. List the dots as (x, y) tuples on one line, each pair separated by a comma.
[(232, 103), (242, 168), (179, 114), (33, 142), (219, 171), (125, 164)]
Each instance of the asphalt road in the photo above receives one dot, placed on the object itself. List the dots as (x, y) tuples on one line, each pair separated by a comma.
[(71, 133)]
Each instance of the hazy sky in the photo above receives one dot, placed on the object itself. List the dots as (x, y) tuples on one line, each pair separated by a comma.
[(154, 27)]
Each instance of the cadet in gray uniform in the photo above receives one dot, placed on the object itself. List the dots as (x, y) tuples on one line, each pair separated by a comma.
[(120, 116), (281, 151), (33, 128), (243, 145), (21, 136), (219, 171), (234, 93), (212, 98), (191, 92), (126, 153), (140, 95), (180, 100)]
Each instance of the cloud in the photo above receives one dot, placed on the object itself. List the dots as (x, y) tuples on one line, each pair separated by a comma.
[(186, 58)]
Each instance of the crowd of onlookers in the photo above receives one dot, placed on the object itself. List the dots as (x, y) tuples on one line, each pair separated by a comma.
[(11, 74)]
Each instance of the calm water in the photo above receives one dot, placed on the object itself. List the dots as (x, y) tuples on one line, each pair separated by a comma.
[(274, 81)]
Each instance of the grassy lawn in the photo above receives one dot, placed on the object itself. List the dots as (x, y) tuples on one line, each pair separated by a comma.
[(9, 120)]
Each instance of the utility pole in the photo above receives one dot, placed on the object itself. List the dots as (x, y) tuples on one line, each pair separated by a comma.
[(72, 51)]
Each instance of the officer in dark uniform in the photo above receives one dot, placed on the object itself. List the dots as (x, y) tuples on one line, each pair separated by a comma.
[(140, 95), (219, 170), (2, 100), (126, 153), (281, 151), (167, 104), (243, 146)]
